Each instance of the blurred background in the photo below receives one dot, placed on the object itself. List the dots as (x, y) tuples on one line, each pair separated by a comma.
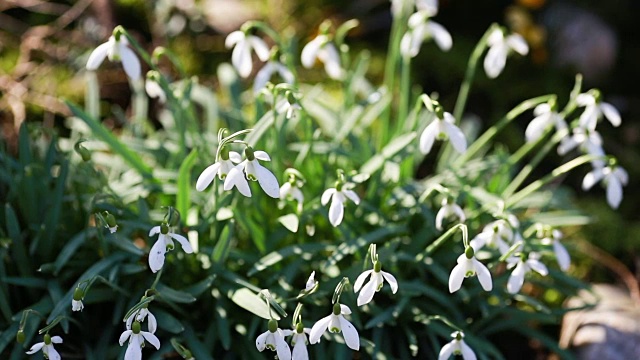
[(44, 46)]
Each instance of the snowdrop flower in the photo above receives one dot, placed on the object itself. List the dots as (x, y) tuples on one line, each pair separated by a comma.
[(154, 90), (311, 282), (613, 176), (375, 283), (499, 48), (495, 234), (267, 71), (594, 109), (299, 342), (242, 44), (321, 48), (221, 167), (291, 190), (562, 255), (110, 222), (546, 115), (457, 346), (139, 316), (76, 300), (522, 267), (254, 172), (339, 196), (273, 339), (442, 127), (116, 49), (289, 106), (136, 341), (589, 141), (47, 347), (447, 210), (468, 266), (420, 29), (164, 244), (336, 323)]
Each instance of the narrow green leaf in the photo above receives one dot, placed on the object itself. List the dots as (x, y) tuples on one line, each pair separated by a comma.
[(168, 322), (22, 260), (52, 220), (198, 349), (114, 143), (260, 128), (184, 183), (175, 296), (201, 286), (394, 147), (221, 250), (70, 248), (293, 250)]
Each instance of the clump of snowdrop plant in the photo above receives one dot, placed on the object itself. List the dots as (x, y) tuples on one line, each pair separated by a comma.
[(211, 298)]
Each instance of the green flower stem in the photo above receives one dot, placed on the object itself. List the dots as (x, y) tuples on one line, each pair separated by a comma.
[(442, 319), (527, 169), (92, 95), (470, 73), (405, 93), (155, 282), (442, 239), (262, 26), (138, 306), (488, 135), (560, 170), (162, 51)]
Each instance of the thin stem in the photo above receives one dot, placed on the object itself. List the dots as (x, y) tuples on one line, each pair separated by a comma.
[(405, 92), (155, 282), (441, 240)]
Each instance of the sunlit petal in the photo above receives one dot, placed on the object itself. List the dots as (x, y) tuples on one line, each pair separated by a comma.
[(391, 280), (207, 176), (456, 277), (516, 279), (319, 328), (484, 276), (267, 181), (350, 334), (611, 113), (367, 292), (360, 280), (440, 35), (130, 63), (97, 56)]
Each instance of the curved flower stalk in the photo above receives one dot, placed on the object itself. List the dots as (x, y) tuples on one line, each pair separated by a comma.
[(323, 49), (253, 171), (468, 266), (441, 128), (457, 346), (164, 244), (221, 167), (562, 255), (595, 109), (242, 43), (339, 196), (267, 71), (136, 339), (117, 50), (497, 234), (273, 339), (522, 267), (545, 115), (499, 48), (376, 280), (613, 176), (336, 323), (47, 347), (448, 209), (422, 28)]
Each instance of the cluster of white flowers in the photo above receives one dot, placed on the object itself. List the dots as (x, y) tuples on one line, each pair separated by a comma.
[(136, 336), (421, 28)]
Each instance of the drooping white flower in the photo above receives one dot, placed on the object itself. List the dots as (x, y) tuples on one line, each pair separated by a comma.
[(290, 190), (562, 255), (522, 267), (448, 209), (136, 341), (457, 346), (299, 342), (498, 234), (154, 90), (421, 28), (499, 48), (613, 176), (164, 244), (468, 266), (116, 49), (221, 167), (375, 283), (242, 44), (273, 339), (140, 316), (267, 71), (76, 300), (594, 109), (336, 323), (322, 48), (289, 107), (545, 117), (47, 347), (443, 128), (254, 172), (589, 141), (311, 282), (77, 305), (339, 196)]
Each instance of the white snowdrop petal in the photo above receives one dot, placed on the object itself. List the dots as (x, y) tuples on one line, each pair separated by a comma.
[(536, 127), (456, 137), (440, 35), (52, 353), (134, 351), (300, 350), (282, 348), (35, 348), (262, 77), (152, 339), (130, 63), (391, 280), (611, 113), (260, 47), (428, 137), (184, 242), (310, 52), (336, 211), (152, 323), (440, 217), (592, 178), (614, 192), (405, 45), (261, 155), (344, 309), (285, 190), (236, 178), (518, 44), (538, 267), (285, 73), (484, 276), (446, 351), (585, 99), (123, 337), (516, 279), (156, 255), (589, 118), (56, 339), (459, 212), (467, 353), (350, 334), (326, 196), (367, 292), (241, 59), (235, 157), (318, 329), (621, 174), (352, 196), (207, 176), (360, 280), (496, 37), (97, 56), (495, 60), (456, 277), (267, 181), (234, 38), (261, 341)]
